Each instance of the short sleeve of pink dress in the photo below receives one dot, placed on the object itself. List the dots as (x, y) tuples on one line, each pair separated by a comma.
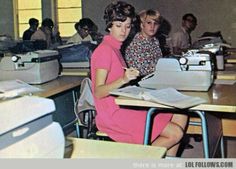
[(121, 124)]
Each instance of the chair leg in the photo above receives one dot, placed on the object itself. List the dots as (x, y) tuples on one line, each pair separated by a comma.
[(77, 130)]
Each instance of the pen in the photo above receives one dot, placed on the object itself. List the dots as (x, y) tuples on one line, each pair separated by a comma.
[(132, 69), (128, 68)]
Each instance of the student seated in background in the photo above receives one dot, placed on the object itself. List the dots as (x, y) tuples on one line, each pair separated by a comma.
[(56, 37), (181, 40), (45, 33), (84, 29), (108, 73), (144, 50), (163, 36), (34, 23)]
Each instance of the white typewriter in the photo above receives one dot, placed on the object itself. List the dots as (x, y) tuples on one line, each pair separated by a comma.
[(33, 67), (27, 129), (210, 43), (191, 72)]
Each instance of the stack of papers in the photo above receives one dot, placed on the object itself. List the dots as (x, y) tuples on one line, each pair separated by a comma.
[(167, 96), (14, 88)]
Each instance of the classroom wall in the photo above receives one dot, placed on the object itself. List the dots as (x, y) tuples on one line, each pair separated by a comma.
[(6, 18), (213, 15)]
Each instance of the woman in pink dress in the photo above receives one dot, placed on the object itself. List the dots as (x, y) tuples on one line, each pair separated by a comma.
[(108, 73)]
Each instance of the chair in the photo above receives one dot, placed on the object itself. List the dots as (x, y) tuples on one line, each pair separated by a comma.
[(85, 113), (84, 110)]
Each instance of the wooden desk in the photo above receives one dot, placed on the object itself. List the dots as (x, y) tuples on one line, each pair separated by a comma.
[(228, 120), (59, 85), (231, 59), (228, 123), (230, 67), (75, 72), (64, 92), (226, 75), (85, 148), (221, 100)]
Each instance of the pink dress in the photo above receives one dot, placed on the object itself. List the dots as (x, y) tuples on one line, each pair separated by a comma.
[(121, 124)]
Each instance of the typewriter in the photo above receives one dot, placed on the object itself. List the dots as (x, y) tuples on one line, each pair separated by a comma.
[(193, 71), (32, 67)]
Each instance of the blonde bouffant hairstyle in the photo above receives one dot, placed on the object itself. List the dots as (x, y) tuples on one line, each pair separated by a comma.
[(154, 14)]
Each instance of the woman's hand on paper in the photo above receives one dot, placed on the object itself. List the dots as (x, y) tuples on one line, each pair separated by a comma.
[(130, 74)]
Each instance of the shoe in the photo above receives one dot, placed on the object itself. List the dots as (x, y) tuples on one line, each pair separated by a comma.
[(197, 138), (188, 146)]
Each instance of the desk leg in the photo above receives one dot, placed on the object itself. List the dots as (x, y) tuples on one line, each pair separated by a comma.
[(204, 133), (204, 126), (222, 149), (147, 126), (75, 97), (212, 134)]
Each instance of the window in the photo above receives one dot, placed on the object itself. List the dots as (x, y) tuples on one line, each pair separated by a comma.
[(68, 13), (27, 9)]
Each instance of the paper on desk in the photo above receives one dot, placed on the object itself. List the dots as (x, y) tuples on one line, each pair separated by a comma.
[(13, 88), (167, 96), (130, 91), (224, 81), (172, 97)]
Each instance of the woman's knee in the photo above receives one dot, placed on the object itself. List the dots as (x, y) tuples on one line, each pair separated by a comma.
[(177, 134), (180, 119)]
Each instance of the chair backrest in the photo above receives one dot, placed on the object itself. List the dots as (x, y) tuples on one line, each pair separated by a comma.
[(84, 108), (85, 101)]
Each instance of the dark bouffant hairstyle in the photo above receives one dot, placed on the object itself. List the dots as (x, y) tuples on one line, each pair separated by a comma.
[(86, 22), (118, 11), (48, 22)]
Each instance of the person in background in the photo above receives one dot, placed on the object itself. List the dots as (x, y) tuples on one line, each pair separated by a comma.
[(85, 28), (48, 34), (34, 23), (163, 36), (108, 72), (56, 37), (181, 40), (144, 50), (44, 32)]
